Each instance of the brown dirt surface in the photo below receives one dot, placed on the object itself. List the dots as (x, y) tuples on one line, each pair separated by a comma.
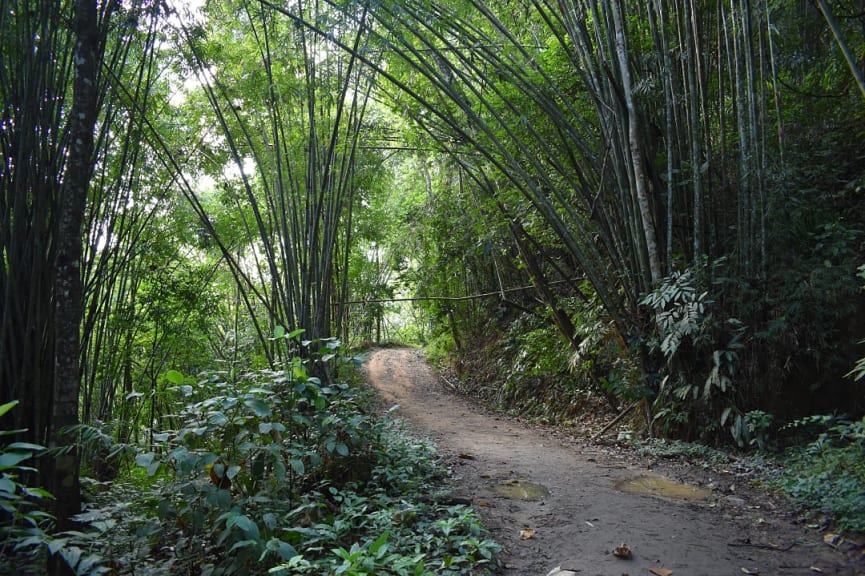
[(585, 524)]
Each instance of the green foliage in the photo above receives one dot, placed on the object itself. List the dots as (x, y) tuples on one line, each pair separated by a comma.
[(535, 350), (826, 476), (23, 522), (440, 348), (858, 371), (602, 358), (26, 527), (701, 358), (279, 472), (758, 423), (676, 449)]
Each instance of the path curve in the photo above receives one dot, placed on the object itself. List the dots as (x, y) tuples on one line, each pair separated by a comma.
[(585, 518)]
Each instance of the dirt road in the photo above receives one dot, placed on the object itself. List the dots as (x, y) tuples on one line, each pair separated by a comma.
[(574, 517)]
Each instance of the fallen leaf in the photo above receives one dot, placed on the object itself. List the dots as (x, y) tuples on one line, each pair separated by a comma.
[(747, 571), (526, 533), (466, 456), (483, 503), (831, 539), (559, 571), (660, 571), (815, 569), (622, 552)]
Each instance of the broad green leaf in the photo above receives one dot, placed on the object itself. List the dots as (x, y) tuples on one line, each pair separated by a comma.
[(25, 446), (144, 460), (379, 542), (279, 469), (278, 332), (56, 544), (174, 377), (71, 554), (243, 544), (258, 406), (285, 550), (88, 563), (342, 449), (295, 333), (9, 459), (297, 466), (248, 527), (4, 408), (37, 493), (7, 485), (218, 419)]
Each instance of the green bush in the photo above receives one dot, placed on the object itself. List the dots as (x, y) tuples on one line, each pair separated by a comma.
[(279, 473), (23, 522), (827, 476)]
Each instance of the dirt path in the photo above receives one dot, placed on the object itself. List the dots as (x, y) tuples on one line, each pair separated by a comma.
[(584, 518)]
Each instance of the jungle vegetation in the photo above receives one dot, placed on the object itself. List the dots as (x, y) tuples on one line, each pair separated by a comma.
[(206, 209)]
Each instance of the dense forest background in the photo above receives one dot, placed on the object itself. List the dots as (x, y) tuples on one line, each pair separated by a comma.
[(648, 204)]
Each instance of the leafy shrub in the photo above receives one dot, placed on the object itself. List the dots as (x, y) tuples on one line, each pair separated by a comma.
[(701, 360), (390, 525), (602, 358), (278, 472), (534, 352), (827, 475), (23, 523)]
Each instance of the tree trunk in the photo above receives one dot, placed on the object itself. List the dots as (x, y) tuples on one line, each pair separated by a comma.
[(636, 148), (68, 293)]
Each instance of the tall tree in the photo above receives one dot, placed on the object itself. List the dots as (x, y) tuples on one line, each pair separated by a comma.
[(68, 292), (53, 78), (291, 115)]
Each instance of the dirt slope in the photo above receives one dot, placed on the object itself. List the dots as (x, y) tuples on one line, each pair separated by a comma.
[(584, 518)]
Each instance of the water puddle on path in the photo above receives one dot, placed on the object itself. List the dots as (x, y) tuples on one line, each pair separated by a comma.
[(516, 490), (656, 486)]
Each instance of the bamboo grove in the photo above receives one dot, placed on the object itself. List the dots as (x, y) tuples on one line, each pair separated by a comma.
[(679, 184)]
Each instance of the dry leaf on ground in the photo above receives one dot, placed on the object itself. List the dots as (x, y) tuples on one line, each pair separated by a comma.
[(660, 571), (526, 533), (622, 552)]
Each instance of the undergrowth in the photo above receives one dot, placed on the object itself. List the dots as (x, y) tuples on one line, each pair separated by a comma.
[(826, 477), (272, 473)]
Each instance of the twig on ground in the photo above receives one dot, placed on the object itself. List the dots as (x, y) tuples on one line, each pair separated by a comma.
[(615, 420)]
